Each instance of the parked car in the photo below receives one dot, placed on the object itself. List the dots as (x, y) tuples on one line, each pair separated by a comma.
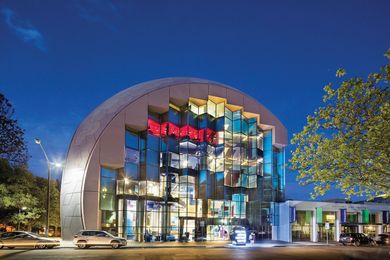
[(88, 238), (26, 239), (355, 239), (383, 239)]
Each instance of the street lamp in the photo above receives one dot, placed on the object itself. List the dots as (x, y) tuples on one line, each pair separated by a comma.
[(49, 164), (20, 211)]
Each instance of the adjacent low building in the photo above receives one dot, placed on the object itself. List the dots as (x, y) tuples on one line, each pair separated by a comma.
[(322, 221)]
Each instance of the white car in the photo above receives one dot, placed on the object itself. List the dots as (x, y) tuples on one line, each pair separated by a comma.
[(88, 238)]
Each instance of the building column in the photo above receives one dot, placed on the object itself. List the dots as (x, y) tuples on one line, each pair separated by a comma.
[(378, 230), (314, 231), (360, 220), (275, 233), (337, 226), (378, 219)]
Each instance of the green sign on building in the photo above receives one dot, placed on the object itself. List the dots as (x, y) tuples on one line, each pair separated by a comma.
[(366, 216), (308, 217), (319, 215)]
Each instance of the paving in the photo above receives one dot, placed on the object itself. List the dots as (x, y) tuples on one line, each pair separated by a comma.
[(224, 253), (209, 244)]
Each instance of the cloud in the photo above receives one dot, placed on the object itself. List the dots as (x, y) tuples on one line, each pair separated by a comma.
[(98, 11), (23, 29)]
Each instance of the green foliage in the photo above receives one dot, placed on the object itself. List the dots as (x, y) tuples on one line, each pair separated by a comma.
[(346, 143), (340, 73), (19, 189), (12, 145)]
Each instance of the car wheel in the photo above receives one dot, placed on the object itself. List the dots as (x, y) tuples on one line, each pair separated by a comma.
[(41, 246), (343, 244), (373, 243), (1, 245), (115, 245), (11, 247), (82, 244), (357, 243), (50, 247)]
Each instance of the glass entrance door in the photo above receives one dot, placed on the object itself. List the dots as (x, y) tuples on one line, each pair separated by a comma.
[(349, 229)]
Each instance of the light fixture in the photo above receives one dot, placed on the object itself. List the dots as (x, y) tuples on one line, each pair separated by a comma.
[(57, 164)]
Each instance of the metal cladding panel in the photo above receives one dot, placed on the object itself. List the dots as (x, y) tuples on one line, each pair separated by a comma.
[(91, 206), (218, 91), (199, 90), (179, 94), (235, 98), (98, 127), (158, 101), (135, 114), (112, 143)]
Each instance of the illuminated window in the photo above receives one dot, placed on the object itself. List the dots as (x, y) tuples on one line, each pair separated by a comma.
[(194, 108), (107, 188), (220, 110), (153, 188), (219, 137), (202, 110), (211, 108), (228, 113)]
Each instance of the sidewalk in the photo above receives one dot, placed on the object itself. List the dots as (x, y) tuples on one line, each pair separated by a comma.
[(209, 244)]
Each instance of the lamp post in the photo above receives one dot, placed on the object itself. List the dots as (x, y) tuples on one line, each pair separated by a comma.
[(39, 142), (20, 211)]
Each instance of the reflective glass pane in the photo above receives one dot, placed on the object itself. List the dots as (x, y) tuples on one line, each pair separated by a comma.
[(211, 108), (220, 109), (131, 140), (132, 155)]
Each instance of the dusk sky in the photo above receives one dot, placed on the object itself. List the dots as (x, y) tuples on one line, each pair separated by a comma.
[(60, 59)]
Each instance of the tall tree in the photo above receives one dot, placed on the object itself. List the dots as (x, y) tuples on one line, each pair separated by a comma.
[(346, 143), (12, 144), (23, 198)]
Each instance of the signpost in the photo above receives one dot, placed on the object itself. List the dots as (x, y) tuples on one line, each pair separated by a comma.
[(327, 228)]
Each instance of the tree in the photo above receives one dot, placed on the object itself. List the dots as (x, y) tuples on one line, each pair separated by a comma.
[(12, 145), (23, 198), (18, 208), (346, 143)]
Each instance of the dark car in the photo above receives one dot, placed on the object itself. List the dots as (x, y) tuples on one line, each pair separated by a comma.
[(383, 239), (26, 239), (355, 239)]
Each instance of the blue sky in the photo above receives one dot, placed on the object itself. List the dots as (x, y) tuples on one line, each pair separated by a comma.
[(61, 59)]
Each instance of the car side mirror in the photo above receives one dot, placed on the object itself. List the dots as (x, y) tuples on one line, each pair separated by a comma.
[(75, 236)]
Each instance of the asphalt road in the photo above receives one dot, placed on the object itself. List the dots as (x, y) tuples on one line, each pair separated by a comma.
[(312, 252)]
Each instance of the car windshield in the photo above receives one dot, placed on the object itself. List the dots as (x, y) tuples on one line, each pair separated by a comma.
[(106, 233), (33, 234)]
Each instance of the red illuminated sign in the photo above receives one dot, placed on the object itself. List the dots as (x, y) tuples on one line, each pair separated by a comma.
[(170, 129), (154, 127)]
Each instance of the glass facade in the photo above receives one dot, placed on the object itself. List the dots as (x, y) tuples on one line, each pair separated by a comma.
[(301, 229), (197, 171)]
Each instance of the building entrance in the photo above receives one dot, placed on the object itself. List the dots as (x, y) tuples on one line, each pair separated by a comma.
[(322, 232), (187, 229), (349, 228)]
